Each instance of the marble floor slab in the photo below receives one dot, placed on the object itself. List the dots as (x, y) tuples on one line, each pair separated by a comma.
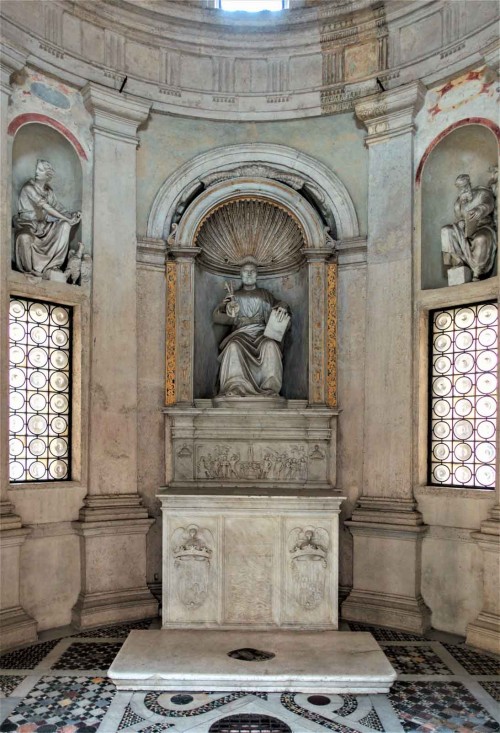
[(196, 660), (443, 686)]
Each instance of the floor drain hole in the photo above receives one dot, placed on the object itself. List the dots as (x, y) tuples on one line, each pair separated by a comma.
[(319, 700), (250, 655), (249, 724)]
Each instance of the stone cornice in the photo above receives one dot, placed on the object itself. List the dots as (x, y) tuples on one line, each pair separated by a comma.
[(114, 114), (391, 113), (151, 253)]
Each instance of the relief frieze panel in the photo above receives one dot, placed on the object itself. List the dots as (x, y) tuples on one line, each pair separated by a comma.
[(256, 461)]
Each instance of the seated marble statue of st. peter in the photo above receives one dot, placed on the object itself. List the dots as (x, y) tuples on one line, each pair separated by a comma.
[(250, 363)]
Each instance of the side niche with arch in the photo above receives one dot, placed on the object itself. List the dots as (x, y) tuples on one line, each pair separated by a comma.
[(37, 141), (468, 148)]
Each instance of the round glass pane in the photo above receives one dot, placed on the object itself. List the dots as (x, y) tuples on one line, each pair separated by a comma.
[(59, 337), (463, 429), (463, 385), (442, 364), (441, 451), (441, 473), (487, 337), (486, 383), (464, 363), (485, 452), (485, 476), (38, 380), (442, 386), (16, 331), (443, 321), (486, 361), (17, 354), (58, 424), (39, 312), (37, 357), (487, 314), (38, 402), (16, 377), (60, 316), (464, 317), (59, 381), (442, 342), (37, 424), (38, 335), (16, 308), (463, 340), (59, 359), (16, 400), (16, 471), (58, 469), (486, 429), (16, 424), (59, 403), (486, 406), (58, 447), (441, 408), (462, 474), (37, 470), (37, 447), (16, 447), (463, 408), (441, 430), (463, 452)]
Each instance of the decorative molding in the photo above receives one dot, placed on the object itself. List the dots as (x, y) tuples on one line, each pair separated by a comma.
[(331, 336), (351, 252), (36, 117), (11, 60), (449, 493), (114, 114), (171, 335), (451, 534), (187, 179), (392, 113), (151, 253)]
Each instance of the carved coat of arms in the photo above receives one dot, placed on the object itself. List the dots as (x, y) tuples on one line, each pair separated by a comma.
[(192, 549), (308, 549)]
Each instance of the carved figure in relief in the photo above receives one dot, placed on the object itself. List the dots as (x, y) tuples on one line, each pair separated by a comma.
[(286, 466), (192, 554), (472, 239), (250, 361), (42, 227)]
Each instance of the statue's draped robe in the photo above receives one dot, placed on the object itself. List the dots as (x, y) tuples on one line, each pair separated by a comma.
[(48, 244), (250, 363), (475, 244)]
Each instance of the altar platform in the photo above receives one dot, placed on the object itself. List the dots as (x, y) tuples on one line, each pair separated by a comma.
[(198, 660)]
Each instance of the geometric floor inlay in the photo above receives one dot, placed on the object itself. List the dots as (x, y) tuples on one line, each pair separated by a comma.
[(67, 700)]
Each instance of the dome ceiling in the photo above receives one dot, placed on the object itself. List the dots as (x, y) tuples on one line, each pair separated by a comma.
[(319, 57)]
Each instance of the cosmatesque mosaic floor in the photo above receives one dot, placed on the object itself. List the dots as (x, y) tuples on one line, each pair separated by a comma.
[(59, 685)]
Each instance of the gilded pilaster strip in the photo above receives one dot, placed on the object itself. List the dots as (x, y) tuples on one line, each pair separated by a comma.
[(171, 334), (331, 338)]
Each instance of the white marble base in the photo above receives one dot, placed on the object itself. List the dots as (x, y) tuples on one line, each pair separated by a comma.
[(459, 275), (324, 662)]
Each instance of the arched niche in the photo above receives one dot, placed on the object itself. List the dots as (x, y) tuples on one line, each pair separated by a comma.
[(39, 141), (465, 148), (285, 276)]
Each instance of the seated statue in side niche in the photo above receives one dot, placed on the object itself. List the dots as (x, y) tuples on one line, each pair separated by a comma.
[(42, 226), (472, 239), (250, 360)]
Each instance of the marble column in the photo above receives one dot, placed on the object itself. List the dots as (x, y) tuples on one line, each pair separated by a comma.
[(16, 626), (484, 631), (113, 522), (387, 529)]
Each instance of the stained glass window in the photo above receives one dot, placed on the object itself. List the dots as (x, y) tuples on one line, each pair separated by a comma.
[(39, 377), (463, 396)]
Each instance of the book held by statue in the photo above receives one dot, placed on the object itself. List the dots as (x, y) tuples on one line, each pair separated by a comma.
[(276, 329)]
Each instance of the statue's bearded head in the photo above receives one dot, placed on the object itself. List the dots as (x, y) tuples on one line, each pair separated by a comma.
[(248, 272), (462, 182)]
